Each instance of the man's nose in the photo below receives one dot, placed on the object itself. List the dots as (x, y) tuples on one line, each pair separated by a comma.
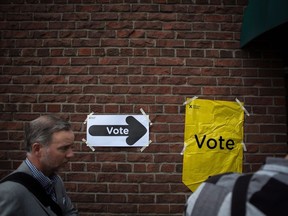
[(70, 153)]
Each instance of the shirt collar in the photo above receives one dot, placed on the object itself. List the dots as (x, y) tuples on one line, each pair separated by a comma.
[(45, 181)]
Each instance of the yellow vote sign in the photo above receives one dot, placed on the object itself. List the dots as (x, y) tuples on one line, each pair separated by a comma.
[(213, 140)]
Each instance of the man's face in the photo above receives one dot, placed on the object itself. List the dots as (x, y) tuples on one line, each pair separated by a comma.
[(58, 152)]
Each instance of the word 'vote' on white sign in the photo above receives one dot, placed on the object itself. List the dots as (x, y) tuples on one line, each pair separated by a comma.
[(117, 130)]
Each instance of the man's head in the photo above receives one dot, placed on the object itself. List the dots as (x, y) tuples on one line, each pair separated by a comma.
[(49, 141)]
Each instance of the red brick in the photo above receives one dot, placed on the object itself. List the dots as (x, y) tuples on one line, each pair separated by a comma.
[(92, 188), (129, 208), (84, 177), (155, 209), (115, 198)]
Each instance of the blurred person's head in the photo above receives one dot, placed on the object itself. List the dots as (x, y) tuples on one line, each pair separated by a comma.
[(49, 142)]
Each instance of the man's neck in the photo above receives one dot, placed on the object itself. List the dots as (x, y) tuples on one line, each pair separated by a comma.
[(33, 160)]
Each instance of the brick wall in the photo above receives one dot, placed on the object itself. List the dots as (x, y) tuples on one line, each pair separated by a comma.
[(70, 58)]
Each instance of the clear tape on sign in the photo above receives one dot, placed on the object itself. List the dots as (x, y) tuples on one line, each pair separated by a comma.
[(243, 108), (91, 147), (190, 100), (183, 150), (244, 146), (143, 112), (88, 117), (144, 147)]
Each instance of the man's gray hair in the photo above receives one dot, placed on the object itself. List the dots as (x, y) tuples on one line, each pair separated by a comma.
[(41, 130)]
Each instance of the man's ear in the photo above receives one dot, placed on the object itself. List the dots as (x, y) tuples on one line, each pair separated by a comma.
[(36, 148)]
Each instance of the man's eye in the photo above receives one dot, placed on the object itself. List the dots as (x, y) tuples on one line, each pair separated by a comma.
[(64, 148)]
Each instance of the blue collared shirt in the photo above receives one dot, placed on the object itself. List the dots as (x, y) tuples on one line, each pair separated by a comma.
[(47, 183)]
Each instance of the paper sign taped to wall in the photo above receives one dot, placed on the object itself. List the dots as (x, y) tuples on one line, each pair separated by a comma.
[(117, 130), (213, 140)]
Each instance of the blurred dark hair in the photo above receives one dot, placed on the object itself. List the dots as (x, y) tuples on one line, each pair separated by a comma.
[(41, 130)]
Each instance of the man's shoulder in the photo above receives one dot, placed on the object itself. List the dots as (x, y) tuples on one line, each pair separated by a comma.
[(226, 180), (13, 190), (12, 186)]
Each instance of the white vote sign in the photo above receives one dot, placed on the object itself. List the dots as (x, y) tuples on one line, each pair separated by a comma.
[(118, 130)]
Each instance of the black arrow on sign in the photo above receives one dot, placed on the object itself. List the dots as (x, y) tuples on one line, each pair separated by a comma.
[(134, 130)]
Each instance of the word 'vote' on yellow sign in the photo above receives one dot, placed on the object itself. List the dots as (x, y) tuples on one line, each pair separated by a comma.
[(213, 140)]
